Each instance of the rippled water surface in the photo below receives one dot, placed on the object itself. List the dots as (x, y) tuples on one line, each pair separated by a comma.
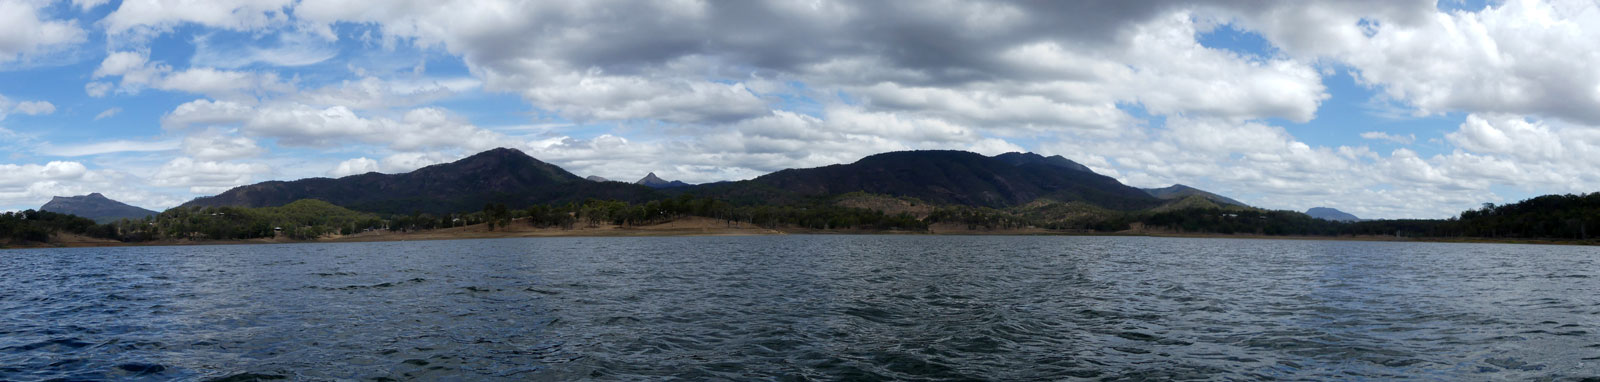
[(804, 308)]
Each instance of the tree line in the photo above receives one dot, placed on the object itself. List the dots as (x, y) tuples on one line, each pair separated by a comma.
[(1567, 217)]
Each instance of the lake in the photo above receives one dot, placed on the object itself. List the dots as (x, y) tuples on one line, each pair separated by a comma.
[(803, 308)]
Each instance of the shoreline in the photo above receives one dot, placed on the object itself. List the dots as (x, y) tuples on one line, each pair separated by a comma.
[(690, 227)]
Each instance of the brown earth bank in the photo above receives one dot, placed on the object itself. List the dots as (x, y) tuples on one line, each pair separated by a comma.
[(699, 226)]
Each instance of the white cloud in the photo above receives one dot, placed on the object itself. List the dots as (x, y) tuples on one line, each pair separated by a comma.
[(112, 112), (161, 15), (1509, 135), (595, 96), (624, 61), (217, 146), (15, 175), (24, 186), (406, 162), (706, 91), (372, 93), (1382, 136), (98, 89), (222, 82), (355, 166), (35, 108), (289, 49), (201, 113), (137, 72), (206, 177), (27, 33), (1494, 60), (107, 147), (87, 5), (8, 106)]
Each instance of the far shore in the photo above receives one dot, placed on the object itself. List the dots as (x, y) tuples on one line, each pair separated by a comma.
[(698, 226)]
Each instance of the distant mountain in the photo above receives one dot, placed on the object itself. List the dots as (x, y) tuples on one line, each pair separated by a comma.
[(597, 178), (944, 177), (654, 181), (1017, 159), (499, 176), (1178, 191), (518, 180), (95, 206), (1325, 213)]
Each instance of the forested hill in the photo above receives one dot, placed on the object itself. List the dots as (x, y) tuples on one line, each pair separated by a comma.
[(1178, 192), (500, 175), (1007, 191), (1551, 216), (943, 177)]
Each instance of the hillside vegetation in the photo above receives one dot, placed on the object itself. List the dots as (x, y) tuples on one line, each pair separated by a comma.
[(902, 191)]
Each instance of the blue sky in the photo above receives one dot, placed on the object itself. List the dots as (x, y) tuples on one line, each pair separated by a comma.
[(1386, 109)]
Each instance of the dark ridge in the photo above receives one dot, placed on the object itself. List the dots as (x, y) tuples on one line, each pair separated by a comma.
[(496, 176), (941, 177), (1019, 159)]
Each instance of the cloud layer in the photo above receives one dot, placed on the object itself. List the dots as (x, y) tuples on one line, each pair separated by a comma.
[(708, 91)]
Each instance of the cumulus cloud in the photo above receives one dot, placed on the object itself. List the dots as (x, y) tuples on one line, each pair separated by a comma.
[(15, 175), (372, 93), (1493, 60), (622, 60), (217, 146), (27, 32), (355, 166), (137, 72), (706, 91), (35, 108), (160, 15), (7, 106), (296, 124), (30, 185), (206, 177)]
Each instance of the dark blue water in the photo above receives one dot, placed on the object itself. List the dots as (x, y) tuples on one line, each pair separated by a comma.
[(804, 308)]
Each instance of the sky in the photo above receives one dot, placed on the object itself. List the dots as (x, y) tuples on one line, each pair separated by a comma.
[(1381, 108)]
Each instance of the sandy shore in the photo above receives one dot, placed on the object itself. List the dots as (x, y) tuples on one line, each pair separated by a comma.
[(698, 226)]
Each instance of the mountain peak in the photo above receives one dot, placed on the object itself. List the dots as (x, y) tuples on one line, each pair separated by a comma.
[(1326, 213), (1179, 192), (654, 181), (960, 177), (501, 175), (95, 206)]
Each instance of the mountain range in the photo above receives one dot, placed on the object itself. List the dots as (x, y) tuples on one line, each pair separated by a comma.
[(512, 177), (495, 176), (96, 207)]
